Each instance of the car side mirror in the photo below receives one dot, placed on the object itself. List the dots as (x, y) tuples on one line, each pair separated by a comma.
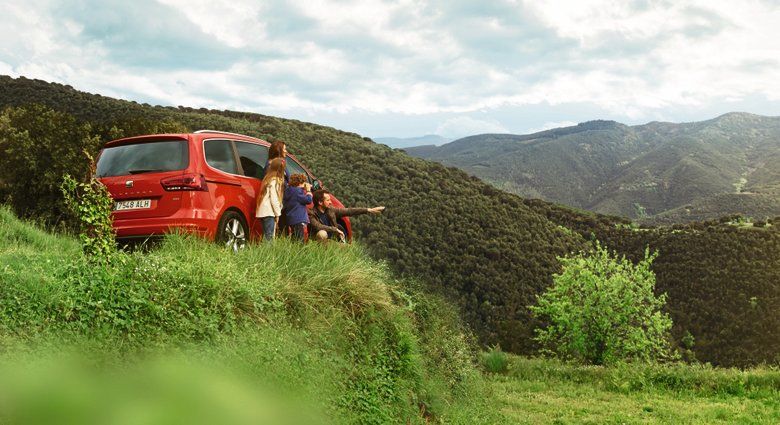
[(317, 185)]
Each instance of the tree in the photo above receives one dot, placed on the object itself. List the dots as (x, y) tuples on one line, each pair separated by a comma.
[(38, 146), (602, 309)]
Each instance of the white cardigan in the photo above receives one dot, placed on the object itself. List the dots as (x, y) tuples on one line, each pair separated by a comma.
[(271, 205)]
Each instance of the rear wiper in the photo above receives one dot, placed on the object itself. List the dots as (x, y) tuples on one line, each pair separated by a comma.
[(141, 171)]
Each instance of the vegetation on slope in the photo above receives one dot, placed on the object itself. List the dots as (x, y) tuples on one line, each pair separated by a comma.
[(323, 323), (756, 205), (638, 171), (478, 245), (732, 315), (490, 251), (720, 278)]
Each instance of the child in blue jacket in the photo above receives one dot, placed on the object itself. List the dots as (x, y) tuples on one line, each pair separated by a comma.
[(296, 197)]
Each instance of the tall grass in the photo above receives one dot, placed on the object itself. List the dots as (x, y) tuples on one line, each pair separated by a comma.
[(696, 379), (549, 391), (323, 324)]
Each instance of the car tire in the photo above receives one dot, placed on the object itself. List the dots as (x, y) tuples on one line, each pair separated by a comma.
[(232, 231)]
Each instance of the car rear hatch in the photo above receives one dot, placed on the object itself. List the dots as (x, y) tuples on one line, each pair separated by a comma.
[(135, 170)]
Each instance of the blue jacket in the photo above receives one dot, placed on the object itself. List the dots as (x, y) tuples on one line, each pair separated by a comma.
[(295, 200)]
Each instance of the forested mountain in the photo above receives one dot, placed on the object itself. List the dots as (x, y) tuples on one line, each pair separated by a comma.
[(489, 251), (657, 172)]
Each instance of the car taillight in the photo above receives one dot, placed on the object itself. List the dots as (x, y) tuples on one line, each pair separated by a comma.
[(185, 182)]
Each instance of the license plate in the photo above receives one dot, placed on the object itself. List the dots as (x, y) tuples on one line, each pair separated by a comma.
[(135, 204)]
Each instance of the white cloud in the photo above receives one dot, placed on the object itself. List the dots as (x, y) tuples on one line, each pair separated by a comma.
[(233, 22), (550, 125), (634, 60), (699, 51), (461, 126), (6, 69)]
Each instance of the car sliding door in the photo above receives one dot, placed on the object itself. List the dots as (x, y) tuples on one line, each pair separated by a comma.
[(251, 158), (224, 180)]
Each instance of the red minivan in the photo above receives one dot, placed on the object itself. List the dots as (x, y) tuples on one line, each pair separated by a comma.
[(204, 182)]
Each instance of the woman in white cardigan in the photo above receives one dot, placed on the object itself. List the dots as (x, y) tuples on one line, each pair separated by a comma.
[(269, 200)]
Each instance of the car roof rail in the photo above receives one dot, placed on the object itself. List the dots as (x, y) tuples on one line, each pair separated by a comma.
[(222, 132)]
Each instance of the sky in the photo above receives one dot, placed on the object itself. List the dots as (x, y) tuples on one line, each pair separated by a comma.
[(410, 68)]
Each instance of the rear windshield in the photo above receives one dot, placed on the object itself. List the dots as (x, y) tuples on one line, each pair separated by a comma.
[(146, 157)]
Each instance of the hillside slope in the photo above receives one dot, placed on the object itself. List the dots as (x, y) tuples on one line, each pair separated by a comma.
[(293, 328), (489, 251), (633, 171), (482, 247)]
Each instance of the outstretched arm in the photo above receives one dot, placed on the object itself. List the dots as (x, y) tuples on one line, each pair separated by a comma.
[(348, 212)]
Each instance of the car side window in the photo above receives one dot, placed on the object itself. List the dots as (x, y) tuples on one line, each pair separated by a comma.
[(252, 158), (219, 155), (295, 168)]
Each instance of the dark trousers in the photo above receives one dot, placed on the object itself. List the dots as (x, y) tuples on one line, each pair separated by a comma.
[(298, 232), (336, 236), (269, 227)]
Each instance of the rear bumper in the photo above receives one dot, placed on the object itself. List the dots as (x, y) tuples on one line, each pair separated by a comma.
[(142, 227)]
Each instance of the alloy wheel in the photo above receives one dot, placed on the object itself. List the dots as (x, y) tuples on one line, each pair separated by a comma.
[(235, 234)]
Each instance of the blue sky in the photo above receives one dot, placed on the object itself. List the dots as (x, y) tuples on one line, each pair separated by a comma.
[(408, 68)]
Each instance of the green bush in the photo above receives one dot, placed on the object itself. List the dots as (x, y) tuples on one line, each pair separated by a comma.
[(602, 309), (91, 204), (495, 360)]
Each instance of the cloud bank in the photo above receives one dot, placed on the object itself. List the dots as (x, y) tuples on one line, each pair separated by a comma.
[(463, 64)]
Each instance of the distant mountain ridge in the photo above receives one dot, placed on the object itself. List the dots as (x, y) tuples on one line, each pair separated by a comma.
[(408, 142), (656, 172)]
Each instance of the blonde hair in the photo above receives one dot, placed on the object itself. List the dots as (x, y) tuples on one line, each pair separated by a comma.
[(275, 170)]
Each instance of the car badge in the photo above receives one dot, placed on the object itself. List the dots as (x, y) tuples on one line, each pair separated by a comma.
[(129, 183)]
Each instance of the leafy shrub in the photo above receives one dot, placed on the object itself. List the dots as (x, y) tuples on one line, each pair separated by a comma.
[(91, 203), (495, 360), (601, 309)]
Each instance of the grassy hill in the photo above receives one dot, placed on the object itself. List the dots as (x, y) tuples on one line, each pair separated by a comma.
[(640, 172), (290, 333), (482, 247), (489, 251)]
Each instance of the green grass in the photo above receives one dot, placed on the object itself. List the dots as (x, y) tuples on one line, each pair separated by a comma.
[(323, 331), (540, 391), (291, 333), (495, 360)]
